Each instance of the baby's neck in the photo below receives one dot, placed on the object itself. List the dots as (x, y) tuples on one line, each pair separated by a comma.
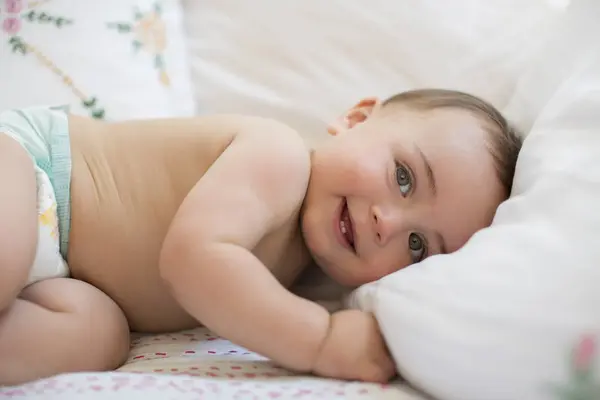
[(313, 284)]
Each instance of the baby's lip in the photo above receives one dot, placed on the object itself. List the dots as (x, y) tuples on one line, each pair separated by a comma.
[(347, 226), (342, 226)]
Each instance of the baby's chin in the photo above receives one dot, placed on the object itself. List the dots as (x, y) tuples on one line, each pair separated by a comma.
[(340, 275), (331, 268)]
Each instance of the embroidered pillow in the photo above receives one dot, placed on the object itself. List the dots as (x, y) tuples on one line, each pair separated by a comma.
[(110, 59)]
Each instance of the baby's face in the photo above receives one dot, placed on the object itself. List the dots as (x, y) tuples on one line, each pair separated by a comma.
[(394, 186)]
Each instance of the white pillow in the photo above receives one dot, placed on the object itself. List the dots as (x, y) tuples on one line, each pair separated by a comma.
[(304, 62), (514, 314), (123, 58)]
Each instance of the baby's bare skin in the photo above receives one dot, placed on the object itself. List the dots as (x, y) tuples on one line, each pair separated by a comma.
[(128, 181), (175, 223), (181, 222)]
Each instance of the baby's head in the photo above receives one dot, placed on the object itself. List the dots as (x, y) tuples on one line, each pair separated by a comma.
[(404, 179)]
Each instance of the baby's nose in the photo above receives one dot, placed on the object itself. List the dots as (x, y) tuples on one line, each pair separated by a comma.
[(386, 223)]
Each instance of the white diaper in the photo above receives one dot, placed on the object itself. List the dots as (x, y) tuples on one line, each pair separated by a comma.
[(48, 261)]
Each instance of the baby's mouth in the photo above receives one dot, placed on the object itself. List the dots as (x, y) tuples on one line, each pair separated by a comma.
[(346, 226)]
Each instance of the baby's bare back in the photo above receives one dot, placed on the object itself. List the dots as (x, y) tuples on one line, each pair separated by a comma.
[(128, 182)]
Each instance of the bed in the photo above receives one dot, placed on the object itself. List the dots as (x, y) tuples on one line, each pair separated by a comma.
[(196, 364), (303, 62)]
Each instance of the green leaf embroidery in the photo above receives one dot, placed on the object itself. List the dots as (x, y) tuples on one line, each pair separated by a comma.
[(158, 61), (18, 45), (29, 16), (89, 102), (60, 22), (137, 45), (137, 14), (98, 114), (44, 18), (121, 27)]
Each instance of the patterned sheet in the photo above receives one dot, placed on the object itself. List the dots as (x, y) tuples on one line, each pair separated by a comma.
[(198, 365)]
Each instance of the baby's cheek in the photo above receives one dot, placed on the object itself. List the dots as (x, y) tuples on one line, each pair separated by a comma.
[(367, 176)]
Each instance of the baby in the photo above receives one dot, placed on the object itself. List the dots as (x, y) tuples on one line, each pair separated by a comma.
[(170, 223)]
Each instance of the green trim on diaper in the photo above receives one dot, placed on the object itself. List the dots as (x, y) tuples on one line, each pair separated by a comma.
[(60, 159)]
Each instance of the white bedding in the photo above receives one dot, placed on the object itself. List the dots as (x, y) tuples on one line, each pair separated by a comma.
[(198, 365)]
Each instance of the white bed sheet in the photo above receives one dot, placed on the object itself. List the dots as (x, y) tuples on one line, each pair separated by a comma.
[(195, 364)]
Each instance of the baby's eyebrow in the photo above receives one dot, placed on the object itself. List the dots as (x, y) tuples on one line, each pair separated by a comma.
[(428, 170)]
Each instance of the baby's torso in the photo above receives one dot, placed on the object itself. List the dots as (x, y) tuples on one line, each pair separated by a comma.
[(128, 181)]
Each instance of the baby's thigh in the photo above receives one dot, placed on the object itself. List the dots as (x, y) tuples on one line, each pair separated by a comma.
[(18, 218), (99, 327), (69, 324)]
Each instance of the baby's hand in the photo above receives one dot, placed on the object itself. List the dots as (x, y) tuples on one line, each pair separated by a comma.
[(354, 349)]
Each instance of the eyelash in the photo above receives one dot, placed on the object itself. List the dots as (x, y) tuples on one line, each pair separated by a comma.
[(425, 248), (410, 175)]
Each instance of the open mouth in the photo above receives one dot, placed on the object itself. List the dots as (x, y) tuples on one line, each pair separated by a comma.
[(345, 226)]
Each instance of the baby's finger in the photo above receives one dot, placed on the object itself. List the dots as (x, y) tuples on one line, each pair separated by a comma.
[(378, 373)]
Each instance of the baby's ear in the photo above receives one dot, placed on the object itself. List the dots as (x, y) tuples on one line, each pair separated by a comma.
[(355, 115)]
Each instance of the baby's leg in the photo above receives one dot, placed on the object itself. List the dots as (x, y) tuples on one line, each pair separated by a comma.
[(18, 219), (61, 325), (48, 329)]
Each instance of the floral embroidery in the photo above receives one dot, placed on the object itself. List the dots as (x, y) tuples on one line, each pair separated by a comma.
[(149, 34), (12, 26), (13, 6), (582, 384), (13, 22)]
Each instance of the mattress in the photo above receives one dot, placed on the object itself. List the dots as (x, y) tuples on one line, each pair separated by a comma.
[(196, 364)]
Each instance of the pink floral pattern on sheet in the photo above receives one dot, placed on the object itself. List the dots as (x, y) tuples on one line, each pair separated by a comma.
[(186, 353), (155, 386), (196, 364)]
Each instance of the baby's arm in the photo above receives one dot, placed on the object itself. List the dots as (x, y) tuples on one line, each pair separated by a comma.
[(252, 188)]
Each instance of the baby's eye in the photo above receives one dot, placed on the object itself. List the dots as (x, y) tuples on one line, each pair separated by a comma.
[(404, 179), (417, 246)]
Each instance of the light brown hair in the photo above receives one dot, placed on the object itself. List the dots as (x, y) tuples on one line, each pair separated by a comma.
[(504, 140)]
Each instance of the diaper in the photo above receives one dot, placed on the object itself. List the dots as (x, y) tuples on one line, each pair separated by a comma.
[(48, 262), (43, 132)]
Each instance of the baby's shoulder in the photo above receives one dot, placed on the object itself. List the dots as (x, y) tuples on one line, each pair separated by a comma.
[(266, 158), (280, 157)]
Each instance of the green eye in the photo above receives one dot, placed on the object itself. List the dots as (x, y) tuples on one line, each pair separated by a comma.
[(417, 246), (404, 179)]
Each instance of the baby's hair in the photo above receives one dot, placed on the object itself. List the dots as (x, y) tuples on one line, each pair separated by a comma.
[(504, 140)]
